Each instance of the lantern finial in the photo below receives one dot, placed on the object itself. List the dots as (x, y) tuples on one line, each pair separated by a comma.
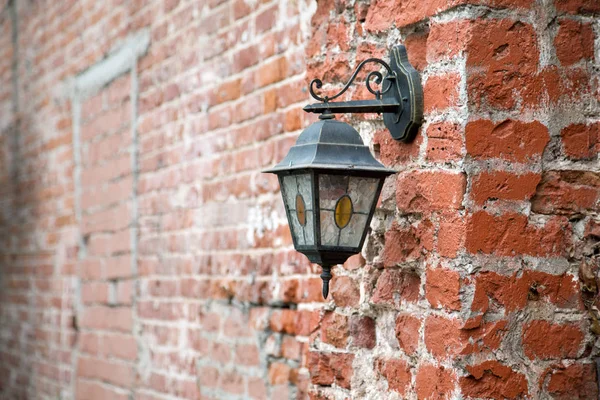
[(326, 277)]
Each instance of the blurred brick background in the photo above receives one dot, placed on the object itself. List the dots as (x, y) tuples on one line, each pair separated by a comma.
[(144, 255)]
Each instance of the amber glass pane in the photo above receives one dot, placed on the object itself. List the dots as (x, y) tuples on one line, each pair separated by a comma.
[(343, 211), (300, 210)]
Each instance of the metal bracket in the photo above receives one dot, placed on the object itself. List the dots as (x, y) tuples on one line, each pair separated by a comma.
[(400, 99)]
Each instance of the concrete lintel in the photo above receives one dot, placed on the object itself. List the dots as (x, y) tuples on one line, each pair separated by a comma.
[(121, 59)]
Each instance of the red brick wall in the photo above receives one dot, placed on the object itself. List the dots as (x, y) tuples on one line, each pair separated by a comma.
[(144, 254)]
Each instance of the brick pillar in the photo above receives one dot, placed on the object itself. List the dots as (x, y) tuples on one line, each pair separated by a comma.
[(471, 279)]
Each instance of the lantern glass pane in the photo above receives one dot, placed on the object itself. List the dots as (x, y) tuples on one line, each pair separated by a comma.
[(345, 205), (297, 197)]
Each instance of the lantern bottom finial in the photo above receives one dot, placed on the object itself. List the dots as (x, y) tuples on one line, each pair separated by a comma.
[(326, 277)]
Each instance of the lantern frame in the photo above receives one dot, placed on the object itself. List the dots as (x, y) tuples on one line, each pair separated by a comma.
[(327, 254)]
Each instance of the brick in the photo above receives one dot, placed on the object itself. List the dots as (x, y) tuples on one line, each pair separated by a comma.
[(327, 368), (450, 337), (220, 353), (518, 235), (363, 332), (441, 92), (577, 6), (124, 347), (354, 262), (491, 379), (434, 382), (545, 340), (442, 288), (335, 329), (430, 190), (95, 292), (291, 348), (502, 185), (97, 391), (343, 364), (447, 40), (566, 192), (577, 381), (283, 321), (99, 317), (451, 235), (412, 11), (266, 19), (321, 372), (233, 382), (279, 373), (396, 284), (504, 59), (228, 91), (90, 343), (337, 34), (257, 389), (407, 243), (307, 322), (334, 68), (272, 72), (555, 85), (444, 142), (581, 141), (396, 372), (509, 140), (115, 373), (345, 291), (407, 332), (416, 48), (393, 152), (574, 42), (513, 292)]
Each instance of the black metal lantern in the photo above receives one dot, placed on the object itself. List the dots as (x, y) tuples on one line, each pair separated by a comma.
[(330, 181)]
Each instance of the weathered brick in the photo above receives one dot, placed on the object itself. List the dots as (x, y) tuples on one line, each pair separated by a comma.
[(574, 41), (518, 235), (545, 340), (577, 6), (491, 379), (566, 192), (407, 244), (396, 284), (363, 332), (407, 332), (502, 185), (577, 381), (427, 191), (345, 291), (513, 292), (444, 142), (451, 235), (335, 329), (502, 54), (396, 372), (442, 288), (441, 92), (581, 141), (510, 140), (434, 382)]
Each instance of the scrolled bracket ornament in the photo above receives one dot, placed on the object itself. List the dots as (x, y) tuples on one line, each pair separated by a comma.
[(378, 79), (399, 99)]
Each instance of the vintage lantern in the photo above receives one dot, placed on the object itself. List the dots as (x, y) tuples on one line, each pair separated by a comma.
[(330, 182)]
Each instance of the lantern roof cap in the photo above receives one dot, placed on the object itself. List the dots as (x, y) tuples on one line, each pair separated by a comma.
[(332, 145)]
